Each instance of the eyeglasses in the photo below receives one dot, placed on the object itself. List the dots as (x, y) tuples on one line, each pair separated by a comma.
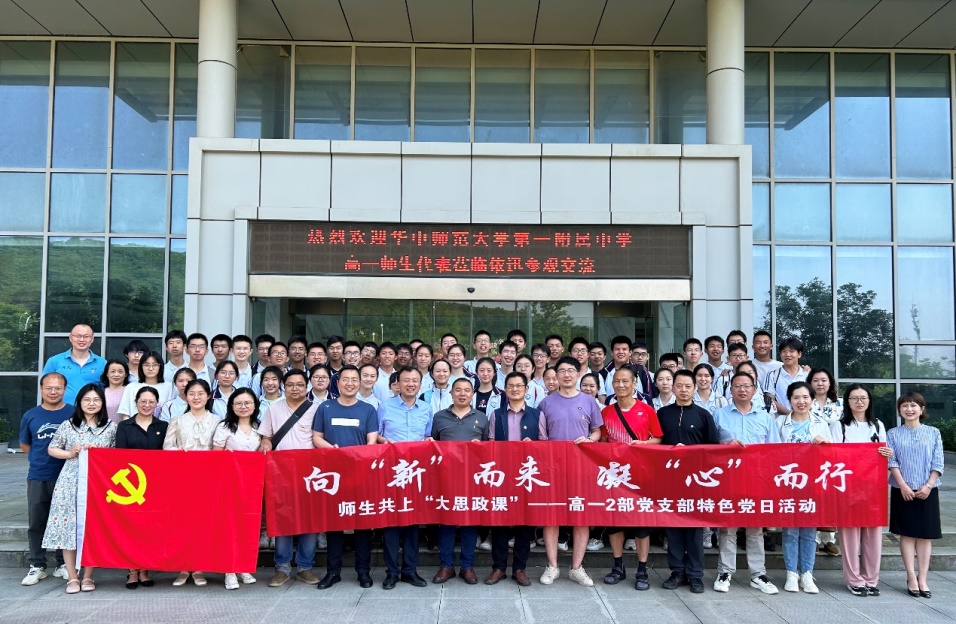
[(862, 399), (53, 388), (539, 356), (514, 386), (193, 347), (353, 353), (567, 371), (277, 354), (81, 336), (320, 378), (740, 387), (244, 404), (92, 400), (579, 351), (294, 386)]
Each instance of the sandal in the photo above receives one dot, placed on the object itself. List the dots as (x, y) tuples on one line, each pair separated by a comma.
[(132, 581), (88, 585), (615, 576), (144, 579), (73, 586)]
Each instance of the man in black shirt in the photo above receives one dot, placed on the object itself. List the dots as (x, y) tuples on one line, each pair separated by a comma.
[(684, 423)]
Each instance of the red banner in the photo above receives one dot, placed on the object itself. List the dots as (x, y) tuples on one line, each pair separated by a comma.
[(172, 510), (558, 483)]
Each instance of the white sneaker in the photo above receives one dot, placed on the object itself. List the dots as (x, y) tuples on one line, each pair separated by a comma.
[(485, 545), (549, 575), (806, 580), (562, 546), (540, 541), (579, 576), (722, 584), (630, 545), (793, 582), (34, 576), (231, 581), (511, 543), (322, 542), (272, 543), (763, 584), (247, 579), (594, 544), (61, 572), (263, 540)]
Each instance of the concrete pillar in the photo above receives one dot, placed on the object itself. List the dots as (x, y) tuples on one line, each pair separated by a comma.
[(218, 41), (725, 72)]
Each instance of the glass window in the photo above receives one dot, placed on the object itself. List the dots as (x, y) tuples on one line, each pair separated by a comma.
[(141, 106), (762, 312), (116, 344), (884, 403), (801, 212), (25, 102), (922, 116), (21, 261), (58, 344), (382, 94), (180, 201), (940, 402), (862, 115), (924, 300), (138, 204), (801, 114), (184, 102), (323, 92), (78, 202), (621, 97), (262, 92), (177, 284), (757, 111), (561, 96), (804, 300), (865, 312), (19, 395), (22, 201), (680, 98), (863, 212), (442, 95), (502, 96), (81, 101), (74, 283), (924, 213), (761, 211), (927, 362), (135, 285)]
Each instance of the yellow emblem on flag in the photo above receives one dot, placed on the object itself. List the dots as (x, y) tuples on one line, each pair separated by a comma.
[(134, 494)]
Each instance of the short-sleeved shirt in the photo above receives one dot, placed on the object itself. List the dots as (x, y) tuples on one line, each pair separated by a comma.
[(754, 427), (76, 376), (345, 425), (129, 435), (400, 423), (237, 440), (569, 418), (299, 436), (641, 417), (447, 426), (37, 428)]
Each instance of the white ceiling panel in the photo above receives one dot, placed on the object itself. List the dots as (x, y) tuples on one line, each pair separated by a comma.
[(765, 20), (568, 21), (824, 22), (889, 22), (377, 20), (317, 20), (179, 17), (626, 22), (258, 19), (441, 21), (686, 24), (14, 21), (63, 17), (939, 31), (130, 18), (505, 21)]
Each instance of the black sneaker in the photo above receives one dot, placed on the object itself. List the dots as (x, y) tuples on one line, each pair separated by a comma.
[(675, 580), (696, 586), (858, 591), (872, 591)]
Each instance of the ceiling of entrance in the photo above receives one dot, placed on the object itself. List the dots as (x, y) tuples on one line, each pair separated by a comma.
[(778, 23)]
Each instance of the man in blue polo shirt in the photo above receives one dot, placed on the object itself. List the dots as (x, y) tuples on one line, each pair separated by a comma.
[(78, 365), (36, 430)]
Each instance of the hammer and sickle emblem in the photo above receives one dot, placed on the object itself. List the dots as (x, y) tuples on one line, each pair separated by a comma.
[(134, 494)]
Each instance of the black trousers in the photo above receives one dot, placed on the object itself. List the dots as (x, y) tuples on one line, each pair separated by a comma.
[(499, 547), (685, 551), (363, 551), (39, 496), (407, 538)]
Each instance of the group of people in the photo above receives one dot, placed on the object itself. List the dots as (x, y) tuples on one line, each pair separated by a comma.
[(302, 395)]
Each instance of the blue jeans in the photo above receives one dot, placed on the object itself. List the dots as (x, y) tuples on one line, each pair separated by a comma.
[(304, 552), (446, 546), (799, 549)]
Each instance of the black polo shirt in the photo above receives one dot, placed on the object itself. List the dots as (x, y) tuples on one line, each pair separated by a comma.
[(129, 435)]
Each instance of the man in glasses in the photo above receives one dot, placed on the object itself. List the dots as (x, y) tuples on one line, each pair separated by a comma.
[(78, 364)]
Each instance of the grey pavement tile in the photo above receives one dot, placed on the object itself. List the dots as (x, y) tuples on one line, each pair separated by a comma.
[(638, 611), (299, 611), (60, 611), (504, 590), (478, 611), (571, 611), (744, 611), (217, 610), (408, 611)]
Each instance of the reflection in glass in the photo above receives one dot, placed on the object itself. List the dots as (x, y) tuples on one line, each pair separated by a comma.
[(923, 116), (561, 96), (761, 211), (680, 100), (184, 102), (621, 97), (801, 132), (862, 115), (179, 204), (21, 261), (757, 111), (58, 344), (141, 106), (924, 213), (78, 202), (22, 202), (177, 284), (382, 94), (116, 344), (323, 85), (863, 212), (927, 362), (442, 95), (17, 395), (135, 285), (24, 100), (884, 403), (138, 204), (762, 310), (865, 312), (940, 400), (74, 284), (262, 92), (924, 300), (802, 212), (81, 102), (502, 96), (804, 300)]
